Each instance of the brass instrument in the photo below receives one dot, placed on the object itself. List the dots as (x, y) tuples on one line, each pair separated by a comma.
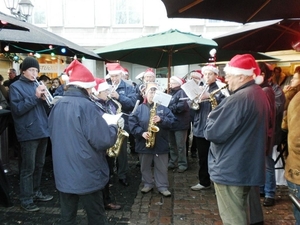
[(212, 98), (48, 96), (295, 200), (152, 129), (115, 149), (195, 103)]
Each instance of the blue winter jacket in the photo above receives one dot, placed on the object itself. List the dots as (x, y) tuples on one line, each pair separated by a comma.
[(180, 110), (138, 124), (237, 129), (127, 98), (201, 114), (28, 111), (80, 138)]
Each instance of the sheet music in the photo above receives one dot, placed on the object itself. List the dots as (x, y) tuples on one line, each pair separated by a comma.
[(111, 119), (162, 98), (191, 89)]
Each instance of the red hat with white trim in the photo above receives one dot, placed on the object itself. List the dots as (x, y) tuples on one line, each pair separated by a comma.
[(79, 75), (242, 65), (177, 79), (114, 68)]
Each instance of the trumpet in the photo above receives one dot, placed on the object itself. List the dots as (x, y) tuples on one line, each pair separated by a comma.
[(195, 103), (48, 96)]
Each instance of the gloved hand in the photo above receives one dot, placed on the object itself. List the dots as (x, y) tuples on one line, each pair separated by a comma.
[(121, 123)]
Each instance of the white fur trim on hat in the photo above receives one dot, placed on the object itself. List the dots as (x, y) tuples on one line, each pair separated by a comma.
[(242, 65), (177, 79), (83, 84), (210, 68), (103, 86)]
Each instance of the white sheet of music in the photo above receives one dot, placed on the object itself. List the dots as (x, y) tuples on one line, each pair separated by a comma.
[(162, 98), (191, 89)]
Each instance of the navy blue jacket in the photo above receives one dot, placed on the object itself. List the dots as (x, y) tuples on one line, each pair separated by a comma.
[(127, 98), (28, 111), (180, 110), (201, 114), (138, 124), (80, 138)]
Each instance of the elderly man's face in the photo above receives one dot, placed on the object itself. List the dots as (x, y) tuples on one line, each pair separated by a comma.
[(149, 78), (11, 74), (232, 81), (115, 79)]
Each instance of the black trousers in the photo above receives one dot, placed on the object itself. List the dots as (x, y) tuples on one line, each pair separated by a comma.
[(203, 148)]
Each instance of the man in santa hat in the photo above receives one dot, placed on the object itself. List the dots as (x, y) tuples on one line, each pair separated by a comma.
[(210, 73), (125, 94), (238, 129), (80, 167), (178, 132)]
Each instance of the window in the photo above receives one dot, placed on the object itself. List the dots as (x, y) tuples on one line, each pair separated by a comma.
[(128, 12)]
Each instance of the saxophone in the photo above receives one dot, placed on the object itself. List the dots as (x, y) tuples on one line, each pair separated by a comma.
[(152, 129), (115, 149), (212, 98)]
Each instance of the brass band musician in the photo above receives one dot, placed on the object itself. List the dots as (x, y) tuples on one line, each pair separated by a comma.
[(139, 126)]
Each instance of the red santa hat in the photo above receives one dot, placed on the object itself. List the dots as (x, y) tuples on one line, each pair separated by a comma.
[(197, 73), (242, 65), (210, 67), (79, 75), (178, 80), (114, 68), (150, 72), (101, 85), (125, 70)]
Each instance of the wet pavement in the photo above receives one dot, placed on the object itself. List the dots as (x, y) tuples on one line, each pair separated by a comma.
[(183, 207)]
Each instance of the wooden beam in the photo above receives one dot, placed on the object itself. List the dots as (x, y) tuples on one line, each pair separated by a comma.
[(189, 6)]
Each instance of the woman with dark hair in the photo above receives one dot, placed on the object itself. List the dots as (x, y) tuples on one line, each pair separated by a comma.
[(55, 83)]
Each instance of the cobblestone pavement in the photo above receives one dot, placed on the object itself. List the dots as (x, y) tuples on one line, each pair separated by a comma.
[(183, 207)]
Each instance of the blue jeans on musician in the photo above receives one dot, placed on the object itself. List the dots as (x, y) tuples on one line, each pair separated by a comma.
[(32, 162), (295, 190), (270, 183)]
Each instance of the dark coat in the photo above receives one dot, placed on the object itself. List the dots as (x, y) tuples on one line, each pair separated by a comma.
[(28, 111), (80, 138), (138, 124), (180, 110)]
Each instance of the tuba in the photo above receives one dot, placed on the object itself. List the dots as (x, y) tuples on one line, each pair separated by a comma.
[(115, 149), (152, 129)]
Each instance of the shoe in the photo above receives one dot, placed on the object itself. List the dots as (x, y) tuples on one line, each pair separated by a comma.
[(171, 167), (199, 187), (112, 206), (146, 189), (124, 182), (194, 155), (42, 198), (165, 193), (181, 170), (269, 202), (30, 207)]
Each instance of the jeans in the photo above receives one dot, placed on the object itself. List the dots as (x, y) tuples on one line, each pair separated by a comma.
[(33, 158), (92, 203), (177, 141), (295, 189), (270, 184)]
